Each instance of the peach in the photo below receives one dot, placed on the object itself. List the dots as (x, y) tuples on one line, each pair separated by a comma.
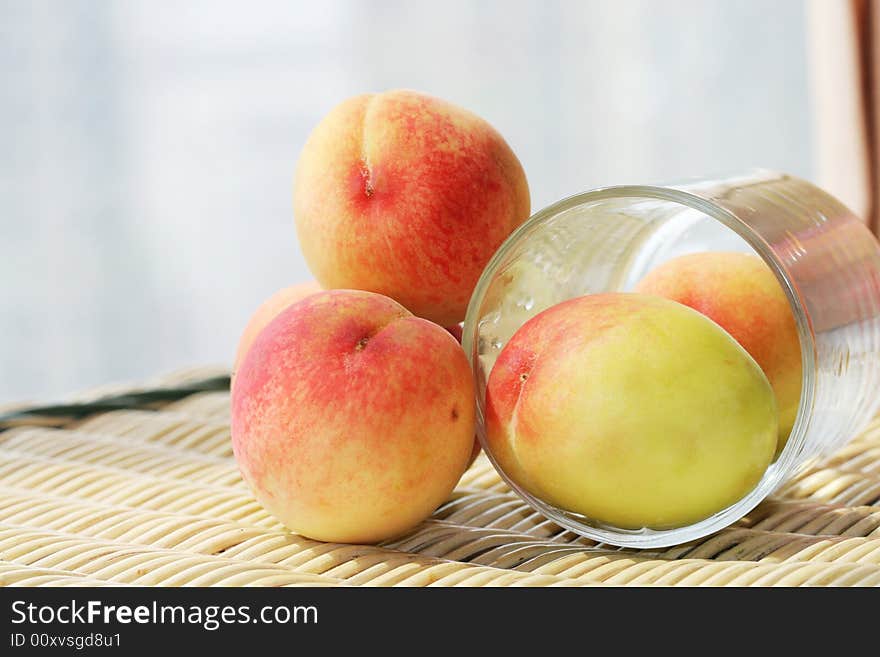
[(406, 195), (739, 292), (456, 331), (352, 419), (632, 410), (267, 311)]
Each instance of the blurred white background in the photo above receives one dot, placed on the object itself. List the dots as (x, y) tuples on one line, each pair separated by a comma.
[(148, 146)]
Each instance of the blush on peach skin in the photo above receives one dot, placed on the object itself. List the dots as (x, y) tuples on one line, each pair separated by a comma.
[(267, 311), (406, 195), (352, 420)]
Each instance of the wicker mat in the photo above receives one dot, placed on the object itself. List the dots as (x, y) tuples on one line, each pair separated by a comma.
[(146, 493)]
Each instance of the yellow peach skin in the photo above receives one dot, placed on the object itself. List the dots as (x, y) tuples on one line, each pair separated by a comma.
[(406, 195), (352, 419), (740, 293), (267, 311), (632, 410)]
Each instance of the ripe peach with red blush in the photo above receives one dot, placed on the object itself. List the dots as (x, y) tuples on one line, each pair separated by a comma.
[(406, 195), (630, 409), (740, 293), (352, 419)]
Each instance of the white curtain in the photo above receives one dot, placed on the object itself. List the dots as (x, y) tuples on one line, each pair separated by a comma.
[(148, 146)]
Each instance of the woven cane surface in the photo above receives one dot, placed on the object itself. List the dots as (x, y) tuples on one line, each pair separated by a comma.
[(152, 496)]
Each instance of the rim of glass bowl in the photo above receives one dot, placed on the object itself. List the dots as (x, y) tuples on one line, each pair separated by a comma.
[(775, 474)]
